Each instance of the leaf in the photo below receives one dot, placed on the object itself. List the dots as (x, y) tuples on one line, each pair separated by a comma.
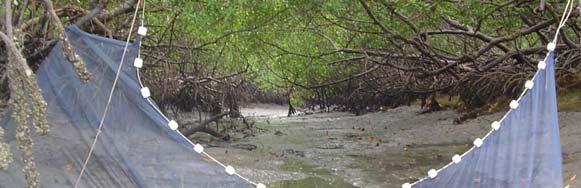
[(573, 177)]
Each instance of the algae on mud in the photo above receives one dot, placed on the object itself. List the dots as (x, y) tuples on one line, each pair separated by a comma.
[(318, 177)]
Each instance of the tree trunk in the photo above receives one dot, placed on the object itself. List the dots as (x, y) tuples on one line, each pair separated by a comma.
[(291, 108)]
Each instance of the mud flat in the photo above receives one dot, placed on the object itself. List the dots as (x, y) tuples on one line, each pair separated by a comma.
[(382, 149)]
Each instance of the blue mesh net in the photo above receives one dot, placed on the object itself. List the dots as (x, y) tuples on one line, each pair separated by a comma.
[(524, 152), (136, 147)]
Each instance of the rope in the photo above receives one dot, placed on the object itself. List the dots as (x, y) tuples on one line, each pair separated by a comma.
[(109, 99), (139, 50), (564, 18), (142, 25)]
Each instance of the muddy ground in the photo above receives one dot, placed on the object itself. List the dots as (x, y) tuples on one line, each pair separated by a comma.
[(382, 149)]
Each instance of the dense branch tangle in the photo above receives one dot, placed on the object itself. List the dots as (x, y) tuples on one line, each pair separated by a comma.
[(476, 50)]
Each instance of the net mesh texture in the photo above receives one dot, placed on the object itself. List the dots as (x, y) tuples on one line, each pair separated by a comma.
[(136, 147)]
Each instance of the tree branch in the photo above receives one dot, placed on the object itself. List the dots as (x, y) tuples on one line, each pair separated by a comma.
[(202, 126), (68, 50)]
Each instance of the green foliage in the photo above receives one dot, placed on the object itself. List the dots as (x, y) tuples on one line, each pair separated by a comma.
[(277, 39), (286, 44)]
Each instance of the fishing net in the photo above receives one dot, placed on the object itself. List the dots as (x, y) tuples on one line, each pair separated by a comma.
[(525, 151), (136, 147)]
